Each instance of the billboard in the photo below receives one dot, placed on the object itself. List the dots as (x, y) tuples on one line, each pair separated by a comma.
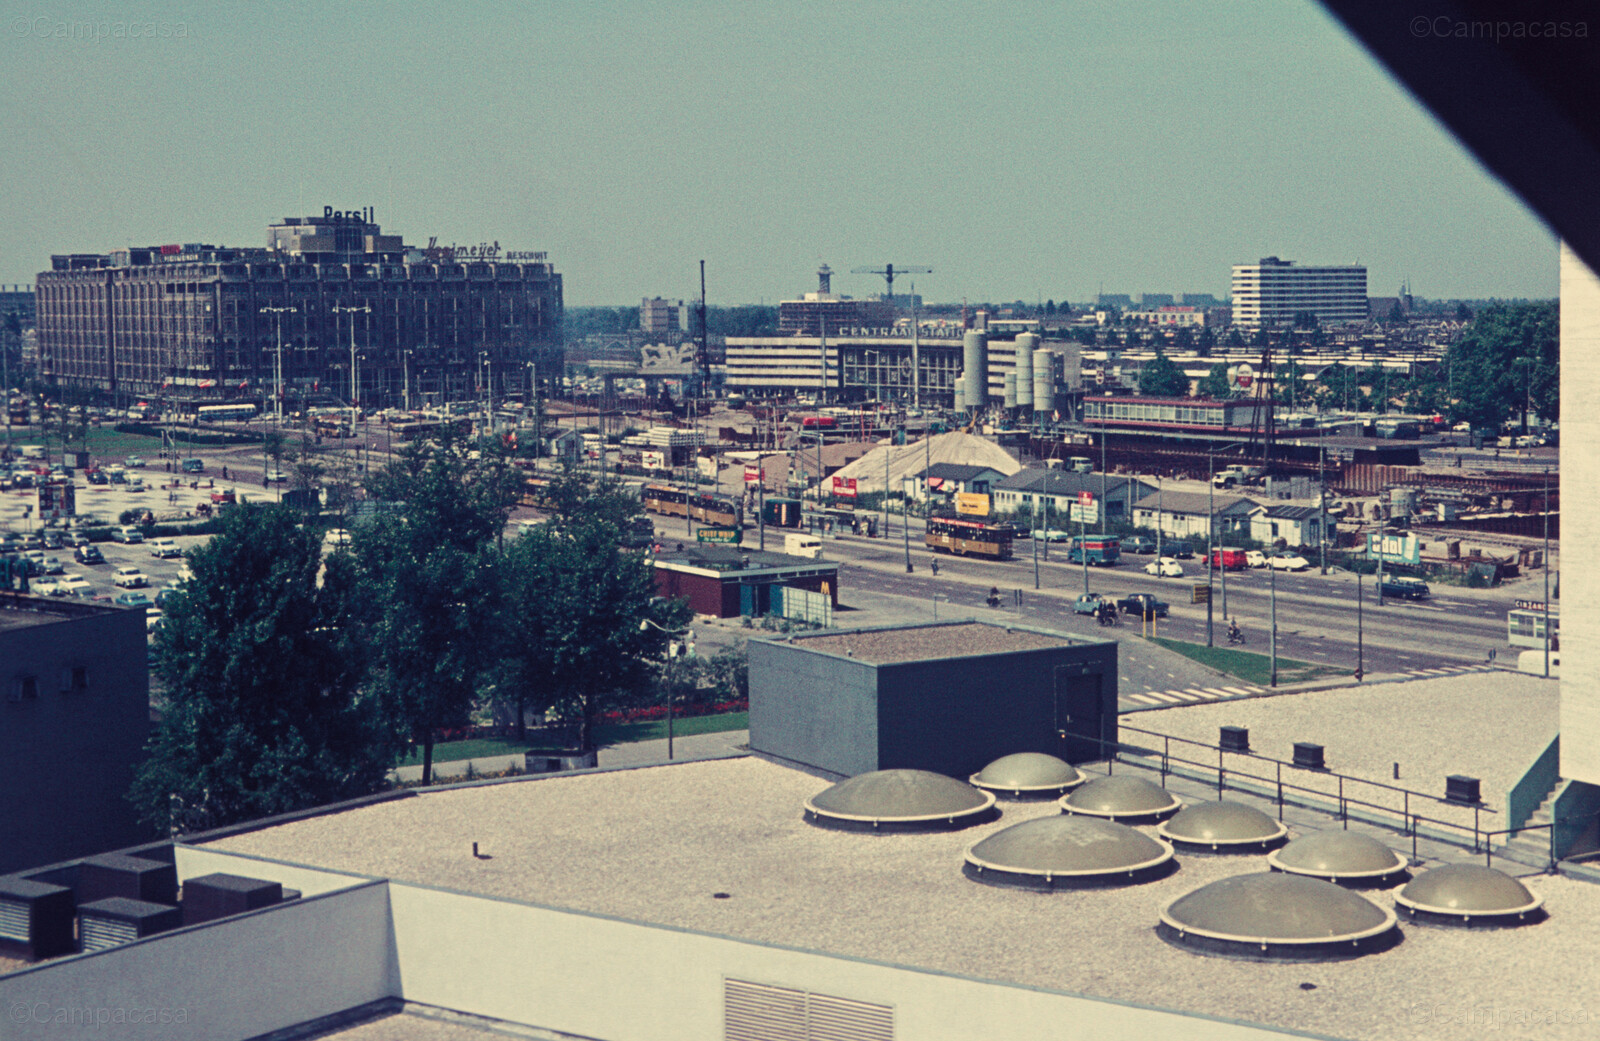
[(753, 475), (844, 487), (653, 460), (972, 504), (56, 501), (1089, 514), (721, 535), (1403, 548)]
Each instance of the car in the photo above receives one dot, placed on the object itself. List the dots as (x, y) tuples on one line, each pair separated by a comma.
[(45, 587), (165, 548), (32, 541), (52, 566), (1403, 587), (1088, 603), (127, 534), (276, 476), (98, 477), (1165, 567), (130, 578), (1288, 562), (164, 594), (88, 553), (1142, 604), (119, 477), (133, 462), (75, 539), (136, 485), (1139, 544), (74, 585), (1255, 558), (131, 600), (51, 539), (152, 617)]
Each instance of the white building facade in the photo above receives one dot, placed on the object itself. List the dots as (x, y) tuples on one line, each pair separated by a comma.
[(1272, 291)]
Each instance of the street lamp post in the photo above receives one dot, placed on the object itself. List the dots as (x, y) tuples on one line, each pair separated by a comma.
[(355, 381), (905, 526), (277, 317), (1274, 640), (674, 649), (1214, 560)]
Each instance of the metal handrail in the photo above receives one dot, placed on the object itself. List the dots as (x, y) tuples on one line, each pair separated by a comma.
[(1408, 822)]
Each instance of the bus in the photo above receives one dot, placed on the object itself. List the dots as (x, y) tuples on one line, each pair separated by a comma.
[(781, 513), (969, 538), (222, 413), (1102, 550), (1525, 627)]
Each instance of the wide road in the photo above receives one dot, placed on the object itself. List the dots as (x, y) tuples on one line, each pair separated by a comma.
[(1316, 614)]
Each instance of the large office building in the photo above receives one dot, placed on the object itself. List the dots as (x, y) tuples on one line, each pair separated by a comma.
[(1273, 291), (824, 312), (199, 323), (877, 365)]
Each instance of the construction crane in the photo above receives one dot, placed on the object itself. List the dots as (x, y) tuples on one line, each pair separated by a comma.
[(888, 272)]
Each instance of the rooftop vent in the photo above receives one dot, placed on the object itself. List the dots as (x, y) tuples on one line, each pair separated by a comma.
[(900, 801), (1234, 739), (118, 920), (1346, 857), (1068, 853), (1028, 775), (1469, 896), (1122, 798), (35, 918), (1458, 788), (1308, 756), (1276, 917), (1223, 827)]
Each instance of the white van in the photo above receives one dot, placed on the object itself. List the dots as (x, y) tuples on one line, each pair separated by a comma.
[(802, 546)]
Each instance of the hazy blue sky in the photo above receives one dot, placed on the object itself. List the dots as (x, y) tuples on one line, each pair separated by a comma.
[(1021, 150)]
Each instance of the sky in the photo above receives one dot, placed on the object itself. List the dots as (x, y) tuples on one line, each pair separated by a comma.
[(1026, 150)]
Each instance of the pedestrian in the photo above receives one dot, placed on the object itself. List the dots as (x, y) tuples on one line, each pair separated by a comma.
[(224, 473)]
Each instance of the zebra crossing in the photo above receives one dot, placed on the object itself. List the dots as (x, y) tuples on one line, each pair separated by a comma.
[(1191, 695), (1450, 670)]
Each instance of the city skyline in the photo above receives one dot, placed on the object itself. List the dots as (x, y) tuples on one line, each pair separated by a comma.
[(1047, 154)]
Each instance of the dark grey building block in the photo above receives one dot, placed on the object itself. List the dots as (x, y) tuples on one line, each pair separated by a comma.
[(106, 923), (217, 896), (114, 875), (35, 919)]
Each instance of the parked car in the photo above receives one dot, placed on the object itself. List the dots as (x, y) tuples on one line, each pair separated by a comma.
[(129, 535), (52, 566), (51, 538), (133, 462), (1088, 603), (76, 539), (132, 600), (276, 476), (165, 548), (1288, 562), (45, 587), (74, 585), (130, 578), (1403, 587), (98, 477), (1255, 558), (1138, 544), (1229, 559), (1142, 604), (1165, 567), (88, 553)]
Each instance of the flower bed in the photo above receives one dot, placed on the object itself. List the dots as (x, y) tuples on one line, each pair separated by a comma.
[(654, 712)]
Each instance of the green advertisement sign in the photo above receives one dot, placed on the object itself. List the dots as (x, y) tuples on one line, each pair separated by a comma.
[(1399, 548), (723, 535)]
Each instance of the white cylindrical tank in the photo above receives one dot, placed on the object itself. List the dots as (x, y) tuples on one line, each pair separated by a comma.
[(1025, 346), (961, 393), (1044, 384), (975, 355), (1010, 390)]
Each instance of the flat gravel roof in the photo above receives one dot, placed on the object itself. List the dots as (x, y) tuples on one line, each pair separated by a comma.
[(596, 842), (922, 642)]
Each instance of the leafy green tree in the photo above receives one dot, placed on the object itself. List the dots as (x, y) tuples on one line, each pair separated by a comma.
[(582, 629), (1207, 340), (1183, 339), (265, 713), (1488, 376), (1162, 378), (428, 571), (1216, 384), (1235, 338)]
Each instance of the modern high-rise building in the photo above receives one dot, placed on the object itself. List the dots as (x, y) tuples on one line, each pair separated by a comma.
[(825, 313), (658, 317), (1273, 291), (199, 323)]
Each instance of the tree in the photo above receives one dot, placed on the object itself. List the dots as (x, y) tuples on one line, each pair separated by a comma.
[(1216, 383), (582, 629), (1235, 338), (265, 713), (1162, 378), (1489, 382), (429, 575), (1183, 339), (1207, 340)]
